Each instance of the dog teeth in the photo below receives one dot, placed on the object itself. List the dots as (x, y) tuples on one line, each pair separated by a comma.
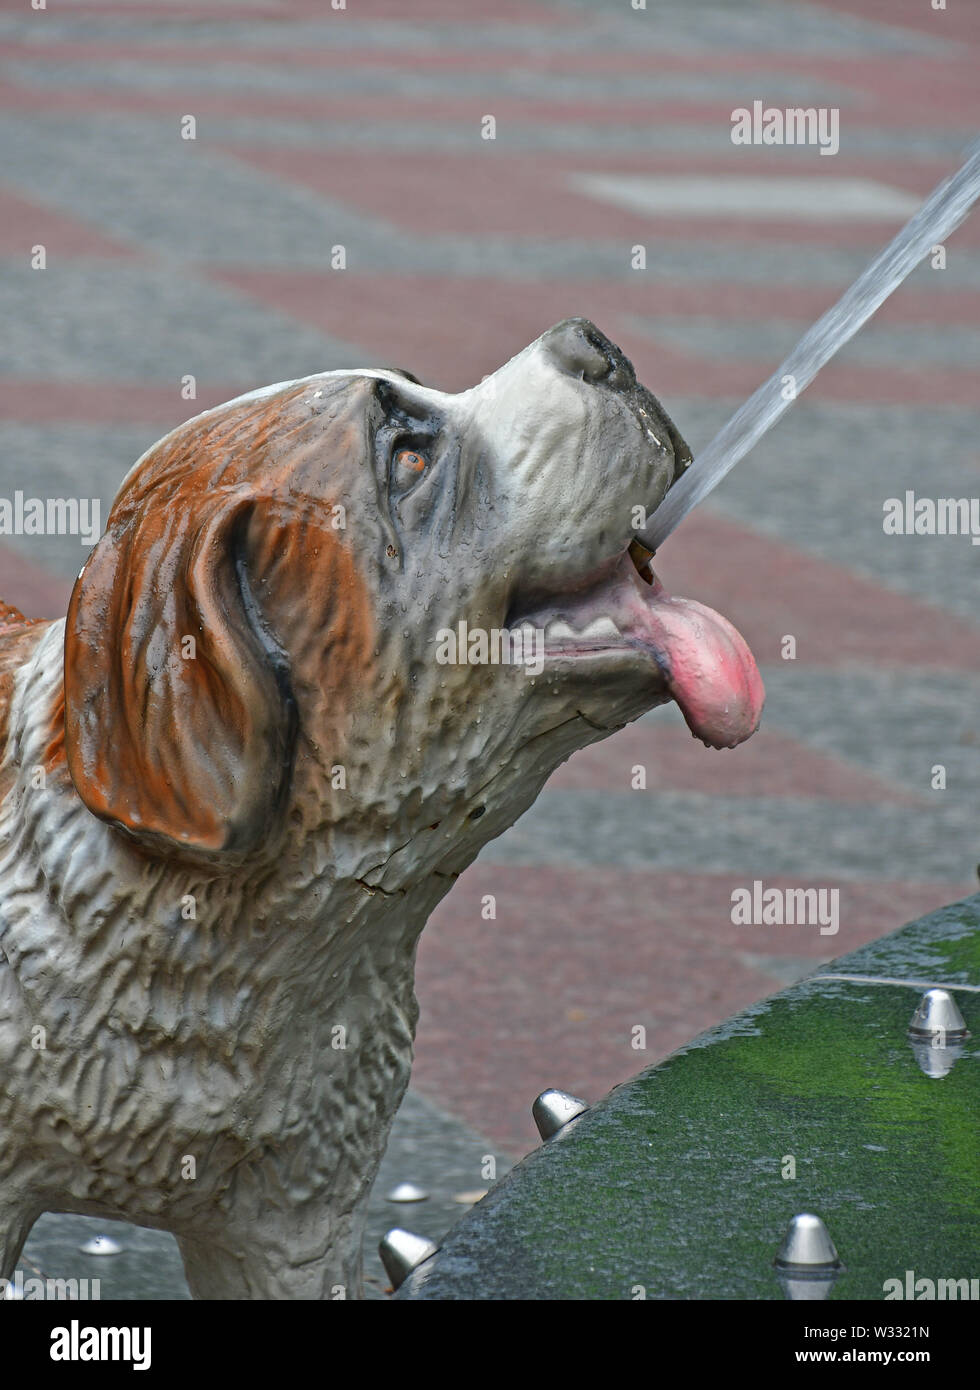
[(601, 627), (598, 628), (646, 427)]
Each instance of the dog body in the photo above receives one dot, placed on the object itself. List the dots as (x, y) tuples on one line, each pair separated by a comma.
[(236, 780)]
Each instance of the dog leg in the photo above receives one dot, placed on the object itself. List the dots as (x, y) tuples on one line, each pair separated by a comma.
[(16, 1220), (282, 1255)]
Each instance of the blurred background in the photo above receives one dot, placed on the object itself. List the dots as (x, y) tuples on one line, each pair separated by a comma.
[(339, 205)]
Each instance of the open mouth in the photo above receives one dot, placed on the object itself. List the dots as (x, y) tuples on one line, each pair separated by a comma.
[(624, 615)]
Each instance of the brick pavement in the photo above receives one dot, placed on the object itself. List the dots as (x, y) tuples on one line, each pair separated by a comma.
[(362, 127)]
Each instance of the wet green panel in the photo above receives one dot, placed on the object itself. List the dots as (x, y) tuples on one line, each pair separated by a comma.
[(674, 1182)]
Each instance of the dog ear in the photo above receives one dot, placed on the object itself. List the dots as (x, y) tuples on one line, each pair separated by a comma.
[(180, 721)]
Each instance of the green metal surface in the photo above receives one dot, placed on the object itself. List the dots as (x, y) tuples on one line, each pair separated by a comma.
[(674, 1184)]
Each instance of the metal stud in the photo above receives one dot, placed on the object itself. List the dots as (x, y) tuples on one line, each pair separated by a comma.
[(938, 1019), (407, 1192), (101, 1245), (402, 1251), (553, 1110), (807, 1246)]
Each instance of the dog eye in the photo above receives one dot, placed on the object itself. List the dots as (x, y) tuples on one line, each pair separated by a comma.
[(408, 466), (411, 460)]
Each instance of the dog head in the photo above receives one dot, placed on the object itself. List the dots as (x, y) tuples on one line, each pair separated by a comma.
[(353, 600)]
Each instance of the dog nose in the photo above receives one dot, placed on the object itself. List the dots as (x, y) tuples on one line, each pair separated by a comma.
[(577, 347)]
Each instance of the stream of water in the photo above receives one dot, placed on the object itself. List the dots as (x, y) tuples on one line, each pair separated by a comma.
[(942, 212)]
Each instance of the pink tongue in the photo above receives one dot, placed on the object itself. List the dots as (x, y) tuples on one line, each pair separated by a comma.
[(710, 671)]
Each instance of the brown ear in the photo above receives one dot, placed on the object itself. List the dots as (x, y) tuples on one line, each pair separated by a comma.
[(189, 740)]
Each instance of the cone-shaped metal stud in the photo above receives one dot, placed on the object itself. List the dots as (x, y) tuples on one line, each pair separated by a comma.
[(101, 1245), (807, 1246), (935, 1061), (553, 1109), (402, 1251), (407, 1192), (938, 1018)]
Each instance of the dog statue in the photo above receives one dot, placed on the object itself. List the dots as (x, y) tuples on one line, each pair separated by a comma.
[(336, 636)]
